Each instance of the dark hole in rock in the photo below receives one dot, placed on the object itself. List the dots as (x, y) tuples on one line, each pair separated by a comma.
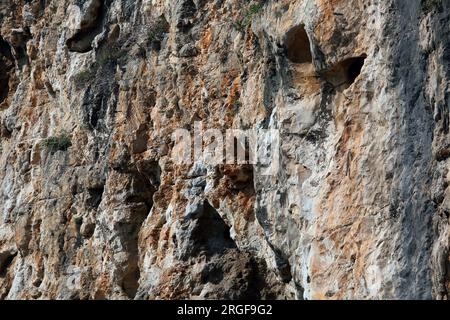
[(283, 265), (212, 274), (81, 41), (240, 176), (447, 213), (42, 5), (298, 46), (188, 9), (157, 33), (97, 112), (18, 40), (6, 260), (130, 282), (354, 68), (145, 183), (95, 196), (4, 85), (443, 154), (95, 106), (185, 12), (211, 235), (343, 74), (140, 142), (237, 275), (6, 65)]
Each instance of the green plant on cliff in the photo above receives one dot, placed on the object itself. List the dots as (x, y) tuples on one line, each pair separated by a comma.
[(61, 142), (108, 55), (104, 56), (253, 10), (233, 109), (158, 30), (431, 5), (85, 75)]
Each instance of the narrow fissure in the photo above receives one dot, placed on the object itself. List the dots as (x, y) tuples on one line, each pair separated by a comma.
[(144, 186), (95, 196), (6, 65)]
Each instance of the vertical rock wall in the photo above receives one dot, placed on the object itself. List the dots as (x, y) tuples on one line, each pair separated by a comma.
[(93, 206)]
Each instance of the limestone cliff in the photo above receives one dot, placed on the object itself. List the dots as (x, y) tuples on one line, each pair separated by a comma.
[(93, 206)]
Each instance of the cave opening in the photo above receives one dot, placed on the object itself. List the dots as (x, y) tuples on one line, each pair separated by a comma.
[(354, 67), (95, 196), (6, 261), (298, 46), (211, 234), (6, 64), (343, 74)]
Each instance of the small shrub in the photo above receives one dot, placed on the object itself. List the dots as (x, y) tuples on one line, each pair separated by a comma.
[(253, 10), (103, 57), (85, 75), (157, 33), (61, 142), (108, 55), (238, 25), (233, 109), (431, 5)]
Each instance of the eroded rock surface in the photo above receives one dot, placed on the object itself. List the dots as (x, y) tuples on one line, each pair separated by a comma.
[(92, 205)]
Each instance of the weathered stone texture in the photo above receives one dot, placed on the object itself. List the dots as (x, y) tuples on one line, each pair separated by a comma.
[(92, 205)]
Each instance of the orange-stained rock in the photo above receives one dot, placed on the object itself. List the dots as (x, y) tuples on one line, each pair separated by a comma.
[(93, 205)]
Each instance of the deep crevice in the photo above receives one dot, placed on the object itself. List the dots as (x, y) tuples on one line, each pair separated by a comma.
[(6, 65), (157, 32), (145, 182), (95, 196)]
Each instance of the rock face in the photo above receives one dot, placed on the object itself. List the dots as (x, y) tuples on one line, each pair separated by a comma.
[(93, 205)]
